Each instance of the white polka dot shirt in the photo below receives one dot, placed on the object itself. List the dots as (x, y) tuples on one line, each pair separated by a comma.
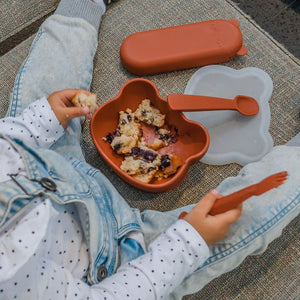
[(45, 256), (37, 126)]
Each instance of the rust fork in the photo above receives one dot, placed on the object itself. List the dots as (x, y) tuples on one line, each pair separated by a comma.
[(270, 182), (233, 200)]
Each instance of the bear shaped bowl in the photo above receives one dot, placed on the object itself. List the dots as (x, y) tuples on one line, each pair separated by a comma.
[(192, 139)]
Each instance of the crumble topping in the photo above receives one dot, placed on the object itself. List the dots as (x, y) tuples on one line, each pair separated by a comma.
[(142, 161)]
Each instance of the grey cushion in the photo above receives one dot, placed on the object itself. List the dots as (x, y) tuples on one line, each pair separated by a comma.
[(272, 275), (18, 15)]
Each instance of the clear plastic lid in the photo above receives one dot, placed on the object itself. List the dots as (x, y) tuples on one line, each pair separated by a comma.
[(233, 137)]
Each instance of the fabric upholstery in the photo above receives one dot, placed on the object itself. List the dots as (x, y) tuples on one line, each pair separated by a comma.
[(16, 15), (272, 275)]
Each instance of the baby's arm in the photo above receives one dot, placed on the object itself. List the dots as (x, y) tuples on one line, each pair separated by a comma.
[(37, 125), (43, 122), (171, 257)]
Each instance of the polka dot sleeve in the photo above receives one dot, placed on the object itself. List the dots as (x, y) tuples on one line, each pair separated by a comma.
[(37, 125), (173, 256)]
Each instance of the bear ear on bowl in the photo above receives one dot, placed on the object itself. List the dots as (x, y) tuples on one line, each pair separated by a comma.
[(192, 138)]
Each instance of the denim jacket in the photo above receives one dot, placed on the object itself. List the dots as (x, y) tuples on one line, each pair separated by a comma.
[(105, 216)]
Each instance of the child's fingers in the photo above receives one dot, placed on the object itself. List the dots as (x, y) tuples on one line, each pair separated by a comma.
[(74, 112), (67, 95), (230, 216), (208, 200)]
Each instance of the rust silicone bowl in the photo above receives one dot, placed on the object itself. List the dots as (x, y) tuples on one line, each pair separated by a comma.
[(192, 139)]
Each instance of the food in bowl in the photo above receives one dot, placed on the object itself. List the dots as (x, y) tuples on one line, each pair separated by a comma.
[(192, 138), (141, 157)]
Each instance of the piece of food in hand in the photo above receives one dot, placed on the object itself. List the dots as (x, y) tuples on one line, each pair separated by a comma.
[(82, 99)]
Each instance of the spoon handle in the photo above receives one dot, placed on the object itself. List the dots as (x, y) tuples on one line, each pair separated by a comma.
[(194, 103)]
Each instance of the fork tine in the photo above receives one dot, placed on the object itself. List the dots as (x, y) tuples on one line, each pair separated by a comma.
[(230, 201), (281, 179), (282, 174), (271, 182), (278, 183), (277, 176)]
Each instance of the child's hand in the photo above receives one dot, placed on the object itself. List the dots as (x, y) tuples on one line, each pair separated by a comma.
[(211, 228), (63, 107)]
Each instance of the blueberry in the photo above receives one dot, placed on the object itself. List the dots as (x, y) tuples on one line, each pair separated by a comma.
[(173, 138), (149, 156), (117, 146), (165, 162), (109, 137), (117, 132), (136, 151)]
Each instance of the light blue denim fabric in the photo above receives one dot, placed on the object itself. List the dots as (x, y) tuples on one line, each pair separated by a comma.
[(52, 66), (105, 217), (60, 57), (262, 220)]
